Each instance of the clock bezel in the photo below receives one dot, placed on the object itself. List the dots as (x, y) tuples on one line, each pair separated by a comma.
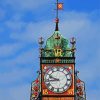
[(58, 67)]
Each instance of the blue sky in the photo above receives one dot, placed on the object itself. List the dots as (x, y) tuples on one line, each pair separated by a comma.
[(22, 22)]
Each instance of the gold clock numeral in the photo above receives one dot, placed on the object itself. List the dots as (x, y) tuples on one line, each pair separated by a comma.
[(45, 91)]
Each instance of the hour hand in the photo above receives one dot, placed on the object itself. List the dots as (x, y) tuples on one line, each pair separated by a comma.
[(53, 78)]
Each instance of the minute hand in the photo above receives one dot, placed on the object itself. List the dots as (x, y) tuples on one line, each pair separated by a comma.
[(54, 78)]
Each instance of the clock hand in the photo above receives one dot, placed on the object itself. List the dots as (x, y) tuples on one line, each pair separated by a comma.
[(51, 77), (52, 80)]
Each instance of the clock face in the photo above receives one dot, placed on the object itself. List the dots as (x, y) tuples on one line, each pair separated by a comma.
[(57, 79)]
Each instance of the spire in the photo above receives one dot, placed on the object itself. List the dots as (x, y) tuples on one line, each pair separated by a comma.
[(57, 21), (59, 6)]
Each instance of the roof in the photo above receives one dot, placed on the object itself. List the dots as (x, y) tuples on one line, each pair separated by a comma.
[(56, 45)]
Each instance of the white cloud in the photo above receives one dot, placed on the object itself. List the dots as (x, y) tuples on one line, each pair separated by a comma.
[(16, 93), (15, 26), (20, 67), (26, 4), (14, 76), (76, 24), (9, 49), (2, 14), (29, 32)]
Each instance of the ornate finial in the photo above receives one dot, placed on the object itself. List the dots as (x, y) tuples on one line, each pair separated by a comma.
[(73, 42), (59, 7), (41, 41), (76, 72)]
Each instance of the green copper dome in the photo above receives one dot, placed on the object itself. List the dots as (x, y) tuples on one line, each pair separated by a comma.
[(57, 46)]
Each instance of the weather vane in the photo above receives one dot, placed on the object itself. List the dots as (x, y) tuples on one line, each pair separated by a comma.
[(59, 6)]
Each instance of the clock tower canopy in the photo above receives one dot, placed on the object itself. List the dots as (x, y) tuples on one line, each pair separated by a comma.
[(57, 46)]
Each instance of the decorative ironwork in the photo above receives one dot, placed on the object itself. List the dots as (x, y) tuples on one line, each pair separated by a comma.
[(58, 60)]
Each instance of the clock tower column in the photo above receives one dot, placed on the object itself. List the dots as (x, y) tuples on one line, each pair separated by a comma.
[(57, 64)]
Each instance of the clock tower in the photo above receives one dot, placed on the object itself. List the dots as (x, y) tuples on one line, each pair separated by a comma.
[(57, 64), (58, 79)]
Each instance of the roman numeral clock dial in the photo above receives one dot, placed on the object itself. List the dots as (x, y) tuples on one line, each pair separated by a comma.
[(58, 79)]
